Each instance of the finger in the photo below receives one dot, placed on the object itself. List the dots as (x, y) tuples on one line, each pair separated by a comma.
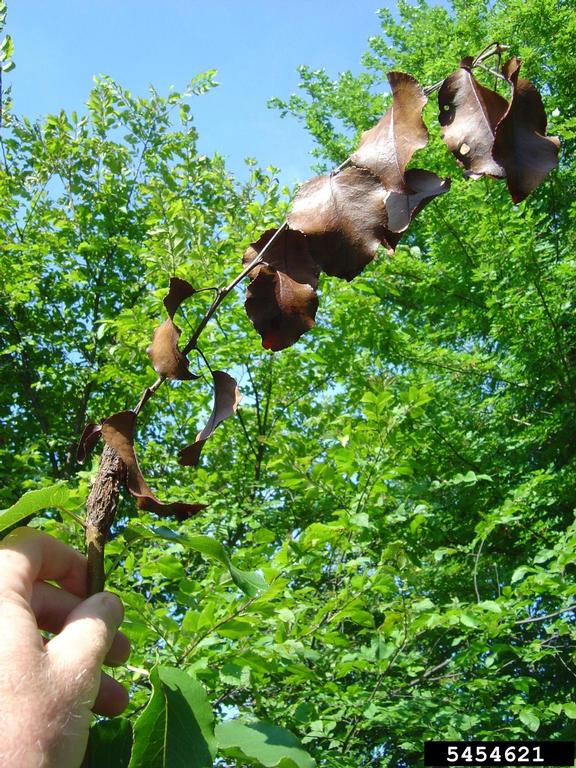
[(27, 555), (87, 635), (52, 606), (112, 698), (119, 651)]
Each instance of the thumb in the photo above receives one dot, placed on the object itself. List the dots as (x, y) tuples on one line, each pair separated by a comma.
[(87, 636)]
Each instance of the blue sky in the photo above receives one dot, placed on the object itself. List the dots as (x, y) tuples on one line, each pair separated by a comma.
[(256, 46)]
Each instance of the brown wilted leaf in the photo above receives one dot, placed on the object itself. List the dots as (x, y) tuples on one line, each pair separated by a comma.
[(88, 440), (521, 145), (288, 253), (226, 399), (386, 148), (118, 433), (281, 301), (280, 309), (178, 291), (424, 187), (167, 359), (344, 219), (469, 114)]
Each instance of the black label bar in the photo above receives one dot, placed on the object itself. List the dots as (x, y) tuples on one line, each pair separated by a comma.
[(499, 753)]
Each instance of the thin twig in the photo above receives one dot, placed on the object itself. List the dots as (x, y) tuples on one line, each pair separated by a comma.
[(494, 72), (475, 573), (148, 392), (494, 49), (223, 292), (547, 616)]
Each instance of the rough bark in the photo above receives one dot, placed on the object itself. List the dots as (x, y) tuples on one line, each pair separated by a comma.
[(100, 513)]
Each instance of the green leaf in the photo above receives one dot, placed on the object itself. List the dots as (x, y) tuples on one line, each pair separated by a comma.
[(530, 719), (468, 620), (570, 710), (490, 605), (53, 496), (109, 744), (423, 605), (6, 48), (264, 742), (176, 728), (250, 582)]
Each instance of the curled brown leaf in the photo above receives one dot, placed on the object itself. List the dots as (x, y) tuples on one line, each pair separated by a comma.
[(344, 219), (281, 301), (402, 208), (386, 148), (280, 309), (288, 253), (521, 145), (90, 436), (178, 291), (226, 399), (167, 359), (118, 433), (469, 114)]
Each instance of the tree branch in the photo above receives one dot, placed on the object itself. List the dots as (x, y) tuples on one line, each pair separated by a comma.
[(100, 513)]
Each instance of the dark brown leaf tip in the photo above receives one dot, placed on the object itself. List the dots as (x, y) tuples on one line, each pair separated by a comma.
[(386, 149), (521, 145), (281, 300), (178, 291), (226, 399), (118, 432), (90, 436)]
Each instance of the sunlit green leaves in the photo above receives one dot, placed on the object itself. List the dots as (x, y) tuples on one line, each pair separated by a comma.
[(6, 53), (59, 496), (176, 728), (6, 47), (251, 583), (110, 743), (262, 742)]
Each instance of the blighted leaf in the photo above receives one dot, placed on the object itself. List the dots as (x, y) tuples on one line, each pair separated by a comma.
[(344, 219), (386, 148), (178, 291), (226, 399), (280, 309), (469, 114), (90, 436), (167, 360), (402, 208), (118, 433), (176, 729), (521, 145), (281, 301), (288, 253)]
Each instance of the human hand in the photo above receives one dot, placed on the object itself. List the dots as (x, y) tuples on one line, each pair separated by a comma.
[(48, 690)]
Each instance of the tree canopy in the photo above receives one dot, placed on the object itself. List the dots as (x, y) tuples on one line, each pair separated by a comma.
[(396, 491)]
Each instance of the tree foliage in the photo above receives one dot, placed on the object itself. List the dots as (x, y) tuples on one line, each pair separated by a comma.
[(403, 479)]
